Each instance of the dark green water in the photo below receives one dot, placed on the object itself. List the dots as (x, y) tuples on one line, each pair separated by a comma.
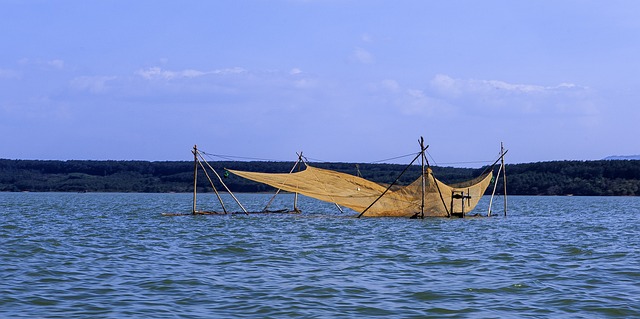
[(114, 256)]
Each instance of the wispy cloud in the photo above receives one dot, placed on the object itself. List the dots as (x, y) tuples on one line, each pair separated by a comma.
[(522, 98), (363, 56), (57, 64), (391, 85), (451, 86), (93, 84), (8, 74), (54, 63), (411, 101), (157, 73), (230, 80)]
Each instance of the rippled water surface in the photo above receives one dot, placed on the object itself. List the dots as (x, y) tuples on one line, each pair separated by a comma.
[(66, 255)]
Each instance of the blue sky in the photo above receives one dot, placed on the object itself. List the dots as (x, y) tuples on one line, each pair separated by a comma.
[(353, 81)]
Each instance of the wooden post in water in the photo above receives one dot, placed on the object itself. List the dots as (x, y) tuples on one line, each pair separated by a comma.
[(495, 185), (423, 177), (195, 176), (504, 177), (462, 204), (295, 198)]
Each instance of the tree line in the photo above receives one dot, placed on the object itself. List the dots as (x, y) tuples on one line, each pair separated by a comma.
[(581, 178)]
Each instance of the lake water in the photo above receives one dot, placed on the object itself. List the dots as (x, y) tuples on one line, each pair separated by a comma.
[(65, 255)]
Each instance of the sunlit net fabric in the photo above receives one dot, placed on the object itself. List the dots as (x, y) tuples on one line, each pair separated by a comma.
[(358, 193)]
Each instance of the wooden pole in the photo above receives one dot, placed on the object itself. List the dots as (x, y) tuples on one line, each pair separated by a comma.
[(195, 176), (295, 198), (391, 185), (280, 189), (453, 193), (423, 177), (462, 204), (225, 186), (504, 177), (435, 182), (224, 209), (495, 185)]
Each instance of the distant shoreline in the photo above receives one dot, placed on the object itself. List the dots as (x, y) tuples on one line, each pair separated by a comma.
[(579, 178)]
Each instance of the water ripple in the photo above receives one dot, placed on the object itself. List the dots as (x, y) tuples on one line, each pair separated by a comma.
[(114, 256)]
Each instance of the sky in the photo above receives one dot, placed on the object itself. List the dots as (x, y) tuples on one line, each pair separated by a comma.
[(340, 81)]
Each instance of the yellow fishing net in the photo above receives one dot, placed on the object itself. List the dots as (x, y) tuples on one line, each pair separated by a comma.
[(359, 194)]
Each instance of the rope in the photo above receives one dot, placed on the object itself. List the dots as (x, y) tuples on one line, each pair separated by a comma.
[(231, 157), (213, 186), (392, 158), (225, 185), (317, 160), (284, 183)]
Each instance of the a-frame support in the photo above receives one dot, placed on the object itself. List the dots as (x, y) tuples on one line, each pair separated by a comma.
[(423, 149), (297, 164), (197, 161), (504, 181)]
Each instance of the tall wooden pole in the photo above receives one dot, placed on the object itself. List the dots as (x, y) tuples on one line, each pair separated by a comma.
[(423, 177), (504, 177), (495, 185), (295, 196), (195, 176)]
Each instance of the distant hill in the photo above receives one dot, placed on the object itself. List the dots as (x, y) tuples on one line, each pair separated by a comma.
[(622, 157), (599, 178)]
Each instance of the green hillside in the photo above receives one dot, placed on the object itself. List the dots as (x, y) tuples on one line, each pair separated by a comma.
[(606, 177)]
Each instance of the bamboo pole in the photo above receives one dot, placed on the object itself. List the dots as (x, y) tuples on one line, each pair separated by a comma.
[(423, 177), (504, 177), (495, 185), (295, 198), (449, 212), (224, 209), (195, 176), (225, 187), (392, 184), (462, 204), (279, 189), (453, 193)]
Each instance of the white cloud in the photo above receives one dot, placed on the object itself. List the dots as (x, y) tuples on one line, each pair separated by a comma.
[(481, 95), (448, 85), (8, 74), (93, 84), (410, 101), (157, 73), (362, 56), (154, 73), (391, 85), (305, 83), (234, 70), (415, 102), (230, 80), (57, 64)]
